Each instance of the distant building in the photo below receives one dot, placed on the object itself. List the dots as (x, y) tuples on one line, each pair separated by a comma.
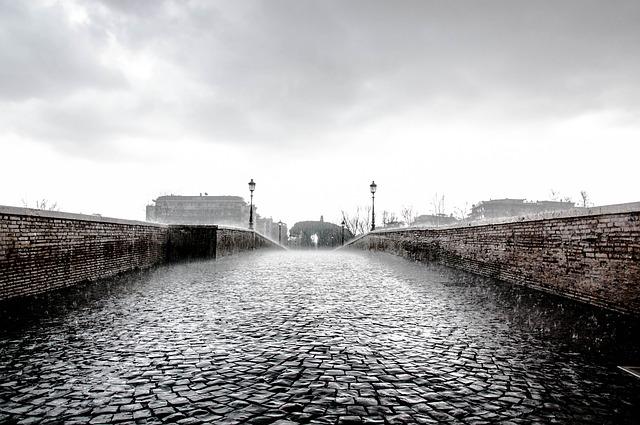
[(434, 220), (393, 224), (271, 229), (515, 207), (224, 210), (325, 234)]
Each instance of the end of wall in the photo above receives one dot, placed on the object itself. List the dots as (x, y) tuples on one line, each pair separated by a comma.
[(233, 240), (187, 242)]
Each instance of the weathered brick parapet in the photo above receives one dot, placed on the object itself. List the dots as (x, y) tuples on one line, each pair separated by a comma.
[(42, 251), (590, 257), (233, 240)]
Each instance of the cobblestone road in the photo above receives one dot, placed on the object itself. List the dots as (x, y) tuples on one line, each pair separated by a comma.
[(306, 337)]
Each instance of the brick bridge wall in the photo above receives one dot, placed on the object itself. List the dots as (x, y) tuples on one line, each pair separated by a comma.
[(190, 242), (232, 240), (42, 251), (591, 255)]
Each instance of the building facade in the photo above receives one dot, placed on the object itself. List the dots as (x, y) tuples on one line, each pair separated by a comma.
[(272, 229), (222, 210)]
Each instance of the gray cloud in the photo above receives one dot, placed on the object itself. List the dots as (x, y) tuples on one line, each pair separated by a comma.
[(42, 56), (280, 72)]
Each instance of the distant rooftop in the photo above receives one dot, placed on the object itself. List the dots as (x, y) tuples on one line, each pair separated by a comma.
[(520, 201), (505, 200), (200, 197)]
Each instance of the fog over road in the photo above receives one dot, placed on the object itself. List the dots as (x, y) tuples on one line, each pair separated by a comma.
[(312, 336)]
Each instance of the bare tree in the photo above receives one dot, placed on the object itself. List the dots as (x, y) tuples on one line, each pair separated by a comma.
[(41, 204), (586, 201), (438, 204), (407, 214), (350, 221), (388, 217), (557, 196), (358, 222), (462, 213), (365, 220)]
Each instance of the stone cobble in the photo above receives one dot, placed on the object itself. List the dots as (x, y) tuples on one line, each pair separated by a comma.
[(315, 337)]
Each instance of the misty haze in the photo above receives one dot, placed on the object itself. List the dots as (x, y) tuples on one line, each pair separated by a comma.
[(319, 212)]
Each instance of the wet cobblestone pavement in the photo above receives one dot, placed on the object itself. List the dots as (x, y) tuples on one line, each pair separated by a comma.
[(315, 337)]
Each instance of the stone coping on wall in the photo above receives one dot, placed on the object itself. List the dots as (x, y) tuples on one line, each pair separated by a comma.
[(8, 210), (244, 229), (227, 227), (574, 212), (276, 243)]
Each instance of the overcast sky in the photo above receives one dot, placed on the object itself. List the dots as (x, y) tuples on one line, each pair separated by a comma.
[(106, 105)]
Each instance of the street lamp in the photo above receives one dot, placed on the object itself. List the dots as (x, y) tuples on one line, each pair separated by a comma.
[(373, 186), (343, 224), (252, 187), (280, 223)]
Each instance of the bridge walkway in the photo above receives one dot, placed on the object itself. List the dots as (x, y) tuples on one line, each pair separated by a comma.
[(314, 337)]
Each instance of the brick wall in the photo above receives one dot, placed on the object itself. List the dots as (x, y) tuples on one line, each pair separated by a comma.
[(42, 251), (593, 258), (191, 242), (232, 240)]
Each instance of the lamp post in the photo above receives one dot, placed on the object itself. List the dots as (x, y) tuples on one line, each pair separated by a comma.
[(280, 223), (373, 186), (252, 187), (343, 224)]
